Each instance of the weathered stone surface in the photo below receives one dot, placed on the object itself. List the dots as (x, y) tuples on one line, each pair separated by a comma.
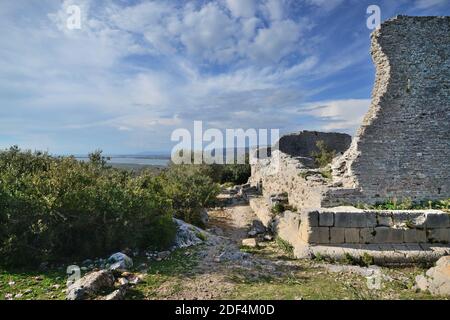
[(303, 144), (401, 149), (384, 219), (326, 219), (324, 235), (439, 235), (118, 294), (388, 235), (249, 242), (437, 220), (354, 219), (120, 261), (437, 279), (187, 235), (337, 235), (90, 285), (352, 235), (311, 218), (414, 236), (366, 235)]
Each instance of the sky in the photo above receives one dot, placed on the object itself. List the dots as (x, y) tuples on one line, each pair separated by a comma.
[(137, 70)]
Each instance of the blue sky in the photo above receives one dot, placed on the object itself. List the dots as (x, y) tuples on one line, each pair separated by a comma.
[(137, 70)]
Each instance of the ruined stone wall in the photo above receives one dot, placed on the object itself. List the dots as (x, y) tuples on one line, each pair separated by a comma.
[(291, 169), (402, 149)]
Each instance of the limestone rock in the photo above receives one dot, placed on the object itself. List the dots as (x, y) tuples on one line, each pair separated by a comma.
[(90, 285), (250, 242), (187, 235), (120, 261), (118, 294), (437, 279)]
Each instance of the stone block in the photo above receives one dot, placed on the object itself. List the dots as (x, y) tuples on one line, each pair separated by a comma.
[(384, 219), (316, 235), (311, 218), (307, 235), (441, 235), (337, 235), (414, 236), (352, 235), (371, 219), (400, 218), (326, 219), (388, 235), (437, 220), (354, 219), (250, 242), (324, 234), (366, 235)]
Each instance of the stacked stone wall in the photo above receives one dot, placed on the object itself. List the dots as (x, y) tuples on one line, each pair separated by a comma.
[(402, 148)]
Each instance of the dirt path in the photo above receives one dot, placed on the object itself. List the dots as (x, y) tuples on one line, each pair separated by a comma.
[(221, 258), (224, 270)]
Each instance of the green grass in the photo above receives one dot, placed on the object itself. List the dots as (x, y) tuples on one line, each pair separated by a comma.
[(408, 204), (32, 285), (285, 246), (177, 266)]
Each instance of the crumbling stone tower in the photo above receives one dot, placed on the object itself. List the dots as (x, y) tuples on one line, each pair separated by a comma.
[(402, 149)]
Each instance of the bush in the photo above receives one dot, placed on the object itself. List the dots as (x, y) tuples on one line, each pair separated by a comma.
[(190, 189), (324, 156), (225, 173), (53, 208)]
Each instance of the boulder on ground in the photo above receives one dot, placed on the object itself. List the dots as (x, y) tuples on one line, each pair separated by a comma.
[(437, 279), (90, 285), (120, 261), (249, 242), (187, 235), (118, 294)]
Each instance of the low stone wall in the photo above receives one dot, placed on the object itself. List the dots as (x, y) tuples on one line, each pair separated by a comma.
[(262, 210), (389, 237), (281, 173), (349, 225)]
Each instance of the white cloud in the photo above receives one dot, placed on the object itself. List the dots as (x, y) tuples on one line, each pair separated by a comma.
[(426, 4), (143, 69), (275, 9), (239, 8), (338, 115), (271, 44), (326, 5)]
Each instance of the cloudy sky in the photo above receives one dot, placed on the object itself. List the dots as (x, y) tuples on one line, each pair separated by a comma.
[(137, 70)]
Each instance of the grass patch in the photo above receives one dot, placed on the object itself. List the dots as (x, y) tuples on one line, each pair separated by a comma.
[(285, 246), (277, 208), (31, 285), (408, 204), (173, 270)]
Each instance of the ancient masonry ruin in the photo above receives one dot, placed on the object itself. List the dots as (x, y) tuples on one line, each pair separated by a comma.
[(401, 151)]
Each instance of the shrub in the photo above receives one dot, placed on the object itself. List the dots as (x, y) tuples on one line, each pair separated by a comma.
[(57, 207), (324, 156), (190, 190), (278, 208), (222, 173)]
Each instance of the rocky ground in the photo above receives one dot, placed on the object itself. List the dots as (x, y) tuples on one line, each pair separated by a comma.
[(221, 268)]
